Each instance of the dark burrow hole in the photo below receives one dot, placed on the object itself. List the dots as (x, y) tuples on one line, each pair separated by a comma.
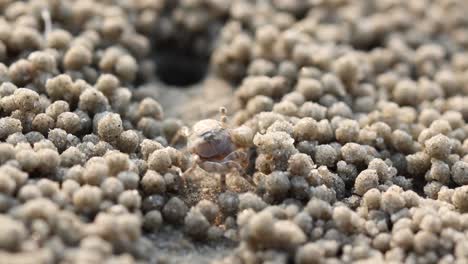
[(180, 66)]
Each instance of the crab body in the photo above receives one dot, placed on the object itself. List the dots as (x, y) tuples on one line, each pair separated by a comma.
[(211, 144), (210, 140)]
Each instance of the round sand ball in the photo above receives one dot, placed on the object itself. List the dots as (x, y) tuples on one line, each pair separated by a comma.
[(130, 199), (129, 226), (337, 109), (26, 99), (34, 137), (431, 224), (228, 202), (174, 211), (214, 233), (29, 192), (111, 188), (6, 202), (96, 244), (57, 87), (72, 156), (460, 172), (101, 148), (57, 108), (7, 103), (128, 141), (126, 67), (85, 121), (16, 138), (299, 187), (160, 160), (28, 160), (304, 221), (441, 126), (372, 198), (13, 233), (59, 39), (47, 187), (129, 179), (87, 199), (13, 172), (365, 181), (9, 126), (438, 147), (310, 88), (149, 107), (347, 69), (310, 253), (325, 131), (392, 201), (440, 171), (7, 88), (44, 144), (69, 122), (109, 58), (49, 160), (326, 155), (209, 209), (171, 126), (107, 84), (121, 101), (323, 192), (74, 173), (93, 101), (148, 147), (43, 61), (196, 224), (152, 221), (7, 152), (94, 173), (383, 170), (7, 184), (278, 184), (300, 164), (116, 162), (382, 241), (403, 238), (354, 153), (242, 136), (260, 232), (174, 182), (418, 163), (424, 241), (153, 183), (294, 97), (77, 57), (252, 201), (110, 127), (305, 129), (150, 127), (406, 93), (288, 235), (347, 131), (281, 126), (460, 198), (313, 110), (153, 202), (21, 72)]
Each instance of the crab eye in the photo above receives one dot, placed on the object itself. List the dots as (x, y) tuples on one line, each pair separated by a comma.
[(208, 136)]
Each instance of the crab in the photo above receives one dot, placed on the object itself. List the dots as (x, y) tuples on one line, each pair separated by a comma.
[(213, 148)]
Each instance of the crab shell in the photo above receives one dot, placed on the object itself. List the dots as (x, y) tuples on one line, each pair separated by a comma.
[(210, 140)]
